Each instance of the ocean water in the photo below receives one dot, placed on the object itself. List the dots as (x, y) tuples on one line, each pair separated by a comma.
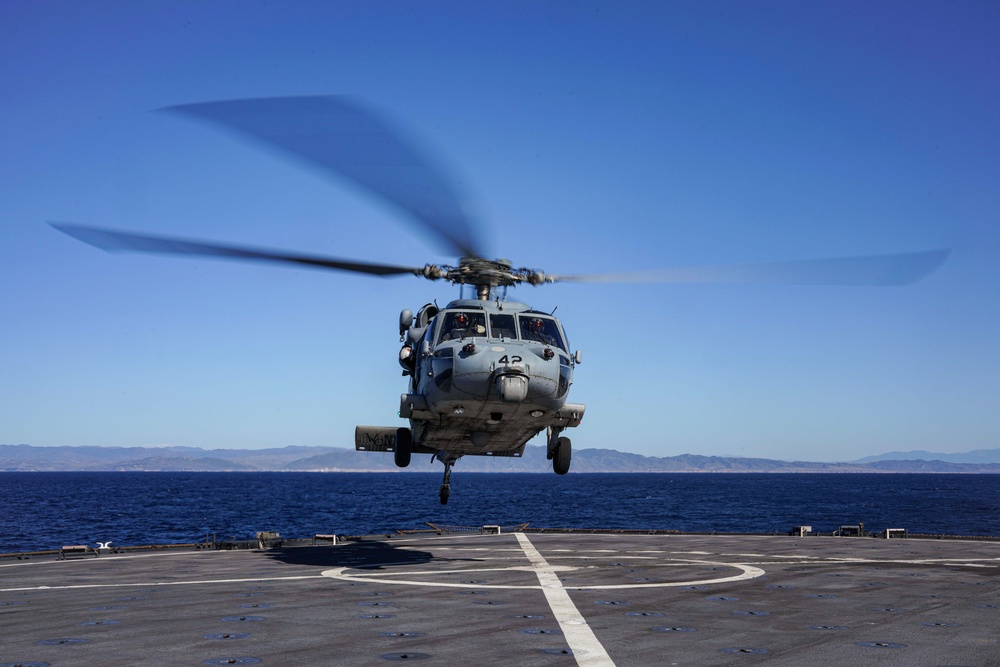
[(45, 510)]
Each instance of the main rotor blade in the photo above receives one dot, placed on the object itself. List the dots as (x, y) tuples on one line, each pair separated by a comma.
[(115, 241), (341, 136), (895, 269)]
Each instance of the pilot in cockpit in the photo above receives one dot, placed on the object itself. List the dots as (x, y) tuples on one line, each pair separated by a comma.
[(539, 330), (535, 330), (460, 325)]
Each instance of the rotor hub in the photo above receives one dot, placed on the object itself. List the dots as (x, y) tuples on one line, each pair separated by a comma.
[(485, 274)]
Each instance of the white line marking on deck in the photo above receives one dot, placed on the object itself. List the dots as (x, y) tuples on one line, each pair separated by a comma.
[(587, 650), (160, 583)]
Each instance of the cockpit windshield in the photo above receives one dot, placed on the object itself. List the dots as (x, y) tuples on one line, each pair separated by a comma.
[(534, 327), (541, 330), (461, 324), (502, 326)]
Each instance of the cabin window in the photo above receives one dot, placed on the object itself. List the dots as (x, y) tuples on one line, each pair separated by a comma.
[(565, 373), (443, 365), (542, 330), (502, 326), (458, 325)]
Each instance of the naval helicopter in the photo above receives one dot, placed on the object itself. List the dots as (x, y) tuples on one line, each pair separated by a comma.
[(486, 374)]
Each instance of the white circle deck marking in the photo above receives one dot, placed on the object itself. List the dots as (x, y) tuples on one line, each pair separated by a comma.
[(746, 572), (356, 573)]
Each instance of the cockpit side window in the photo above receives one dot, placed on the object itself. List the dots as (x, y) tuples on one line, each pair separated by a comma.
[(502, 326), (432, 329), (541, 330), (460, 324)]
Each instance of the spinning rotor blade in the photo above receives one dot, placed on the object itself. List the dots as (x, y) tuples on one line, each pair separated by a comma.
[(113, 241), (341, 136), (895, 269)]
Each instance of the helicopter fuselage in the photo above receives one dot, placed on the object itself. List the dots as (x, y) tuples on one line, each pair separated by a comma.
[(486, 377)]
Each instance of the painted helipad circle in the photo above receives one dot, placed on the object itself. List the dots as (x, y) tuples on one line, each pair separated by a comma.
[(432, 577)]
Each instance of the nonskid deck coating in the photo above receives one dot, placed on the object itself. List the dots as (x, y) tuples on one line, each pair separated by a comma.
[(518, 599)]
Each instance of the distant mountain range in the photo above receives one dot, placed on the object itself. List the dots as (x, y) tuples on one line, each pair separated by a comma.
[(975, 456), (337, 459)]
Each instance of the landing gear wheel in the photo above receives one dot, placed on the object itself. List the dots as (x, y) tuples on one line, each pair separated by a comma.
[(446, 484), (403, 447), (563, 454)]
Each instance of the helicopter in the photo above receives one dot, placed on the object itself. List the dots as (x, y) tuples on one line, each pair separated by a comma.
[(486, 374)]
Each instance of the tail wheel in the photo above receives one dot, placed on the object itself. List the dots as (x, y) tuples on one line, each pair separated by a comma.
[(564, 452), (404, 447)]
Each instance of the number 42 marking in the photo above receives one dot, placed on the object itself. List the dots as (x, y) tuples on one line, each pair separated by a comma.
[(514, 359)]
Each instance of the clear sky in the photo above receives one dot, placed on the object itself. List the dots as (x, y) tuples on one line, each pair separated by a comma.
[(592, 137)]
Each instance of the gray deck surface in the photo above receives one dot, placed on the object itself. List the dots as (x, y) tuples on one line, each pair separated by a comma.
[(514, 599)]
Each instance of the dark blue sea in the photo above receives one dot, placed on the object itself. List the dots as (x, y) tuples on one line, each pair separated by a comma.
[(45, 510)]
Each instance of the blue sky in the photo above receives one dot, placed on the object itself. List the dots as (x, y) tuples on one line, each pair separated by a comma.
[(590, 136)]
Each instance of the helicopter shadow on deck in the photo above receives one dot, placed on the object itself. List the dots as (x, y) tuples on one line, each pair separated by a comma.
[(374, 555)]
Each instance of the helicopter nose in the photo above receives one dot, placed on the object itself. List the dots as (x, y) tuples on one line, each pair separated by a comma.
[(512, 387)]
